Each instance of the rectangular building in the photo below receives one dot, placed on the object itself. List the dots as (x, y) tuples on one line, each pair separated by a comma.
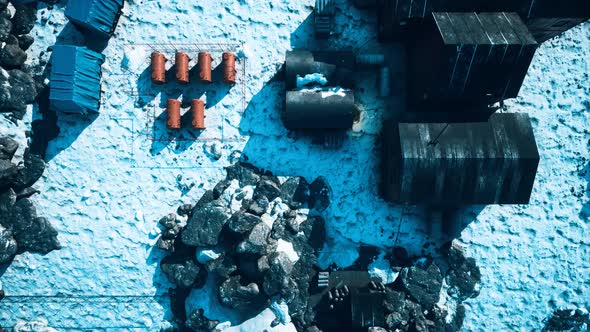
[(493, 162)]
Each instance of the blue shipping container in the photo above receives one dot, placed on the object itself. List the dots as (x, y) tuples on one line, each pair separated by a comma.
[(75, 79), (96, 17)]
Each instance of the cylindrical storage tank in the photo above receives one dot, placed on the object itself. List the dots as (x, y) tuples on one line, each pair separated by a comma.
[(205, 67), (198, 113), (173, 114), (158, 68), (319, 109), (181, 62), (229, 68), (385, 82)]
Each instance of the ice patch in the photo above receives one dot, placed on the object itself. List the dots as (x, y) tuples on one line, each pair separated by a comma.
[(311, 79), (206, 255), (134, 60), (381, 268), (281, 311), (262, 322), (286, 247), (39, 325)]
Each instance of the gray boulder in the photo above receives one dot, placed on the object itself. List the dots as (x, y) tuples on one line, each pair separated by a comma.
[(22, 90), (277, 278), (268, 188), (8, 148), (204, 226), (25, 41), (197, 321), (30, 172), (257, 243), (295, 192), (257, 206), (243, 222), (183, 271), (246, 174), (423, 284), (320, 194), (12, 56), (223, 266), (24, 19), (5, 28), (234, 295), (8, 172), (463, 277), (8, 245)]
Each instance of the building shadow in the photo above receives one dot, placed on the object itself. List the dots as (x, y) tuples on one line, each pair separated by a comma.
[(585, 211)]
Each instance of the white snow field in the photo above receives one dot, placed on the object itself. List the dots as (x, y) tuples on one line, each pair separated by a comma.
[(110, 178)]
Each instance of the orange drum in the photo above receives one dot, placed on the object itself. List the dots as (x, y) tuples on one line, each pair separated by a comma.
[(158, 68), (198, 112), (229, 68), (182, 60), (205, 67), (173, 114)]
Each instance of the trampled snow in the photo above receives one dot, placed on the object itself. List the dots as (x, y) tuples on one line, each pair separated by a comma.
[(103, 172)]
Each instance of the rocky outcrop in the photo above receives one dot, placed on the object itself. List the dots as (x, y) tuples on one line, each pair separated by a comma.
[(255, 236), (573, 320), (20, 228)]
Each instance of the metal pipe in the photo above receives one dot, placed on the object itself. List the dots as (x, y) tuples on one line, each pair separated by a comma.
[(181, 62), (205, 67), (158, 68), (229, 68), (198, 112), (173, 114)]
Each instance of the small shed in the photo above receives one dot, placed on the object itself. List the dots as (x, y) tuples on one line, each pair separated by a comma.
[(75, 79), (96, 17)]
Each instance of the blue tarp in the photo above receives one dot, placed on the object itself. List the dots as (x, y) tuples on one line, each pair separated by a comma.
[(98, 17), (75, 79)]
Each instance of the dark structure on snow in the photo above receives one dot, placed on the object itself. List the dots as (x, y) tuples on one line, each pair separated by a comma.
[(491, 162)]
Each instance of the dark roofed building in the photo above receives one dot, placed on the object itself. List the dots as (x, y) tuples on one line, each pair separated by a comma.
[(493, 162)]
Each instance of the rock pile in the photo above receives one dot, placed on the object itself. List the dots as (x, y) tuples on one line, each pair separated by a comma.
[(576, 320), (17, 86), (20, 228), (256, 234)]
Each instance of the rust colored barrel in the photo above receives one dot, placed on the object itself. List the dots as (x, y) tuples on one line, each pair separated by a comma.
[(181, 63), (229, 68), (198, 110), (158, 68), (205, 67), (173, 116)]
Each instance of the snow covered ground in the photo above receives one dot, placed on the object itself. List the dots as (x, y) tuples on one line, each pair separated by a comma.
[(110, 178)]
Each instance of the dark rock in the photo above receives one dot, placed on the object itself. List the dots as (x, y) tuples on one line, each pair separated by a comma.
[(314, 230), (11, 56), (204, 226), (568, 320), (243, 222), (423, 284), (24, 19), (8, 172), (204, 200), (246, 174), (164, 244), (25, 41), (183, 271), (8, 148), (171, 233), (184, 210), (30, 172), (393, 300), (12, 40), (377, 329), (223, 266), (168, 221), (277, 277), (257, 243), (8, 245), (220, 188), (5, 27), (30, 232), (258, 206), (267, 188), (313, 329), (197, 321), (405, 316), (234, 295), (320, 194), (295, 192), (22, 90), (3, 4), (26, 193), (463, 276)]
